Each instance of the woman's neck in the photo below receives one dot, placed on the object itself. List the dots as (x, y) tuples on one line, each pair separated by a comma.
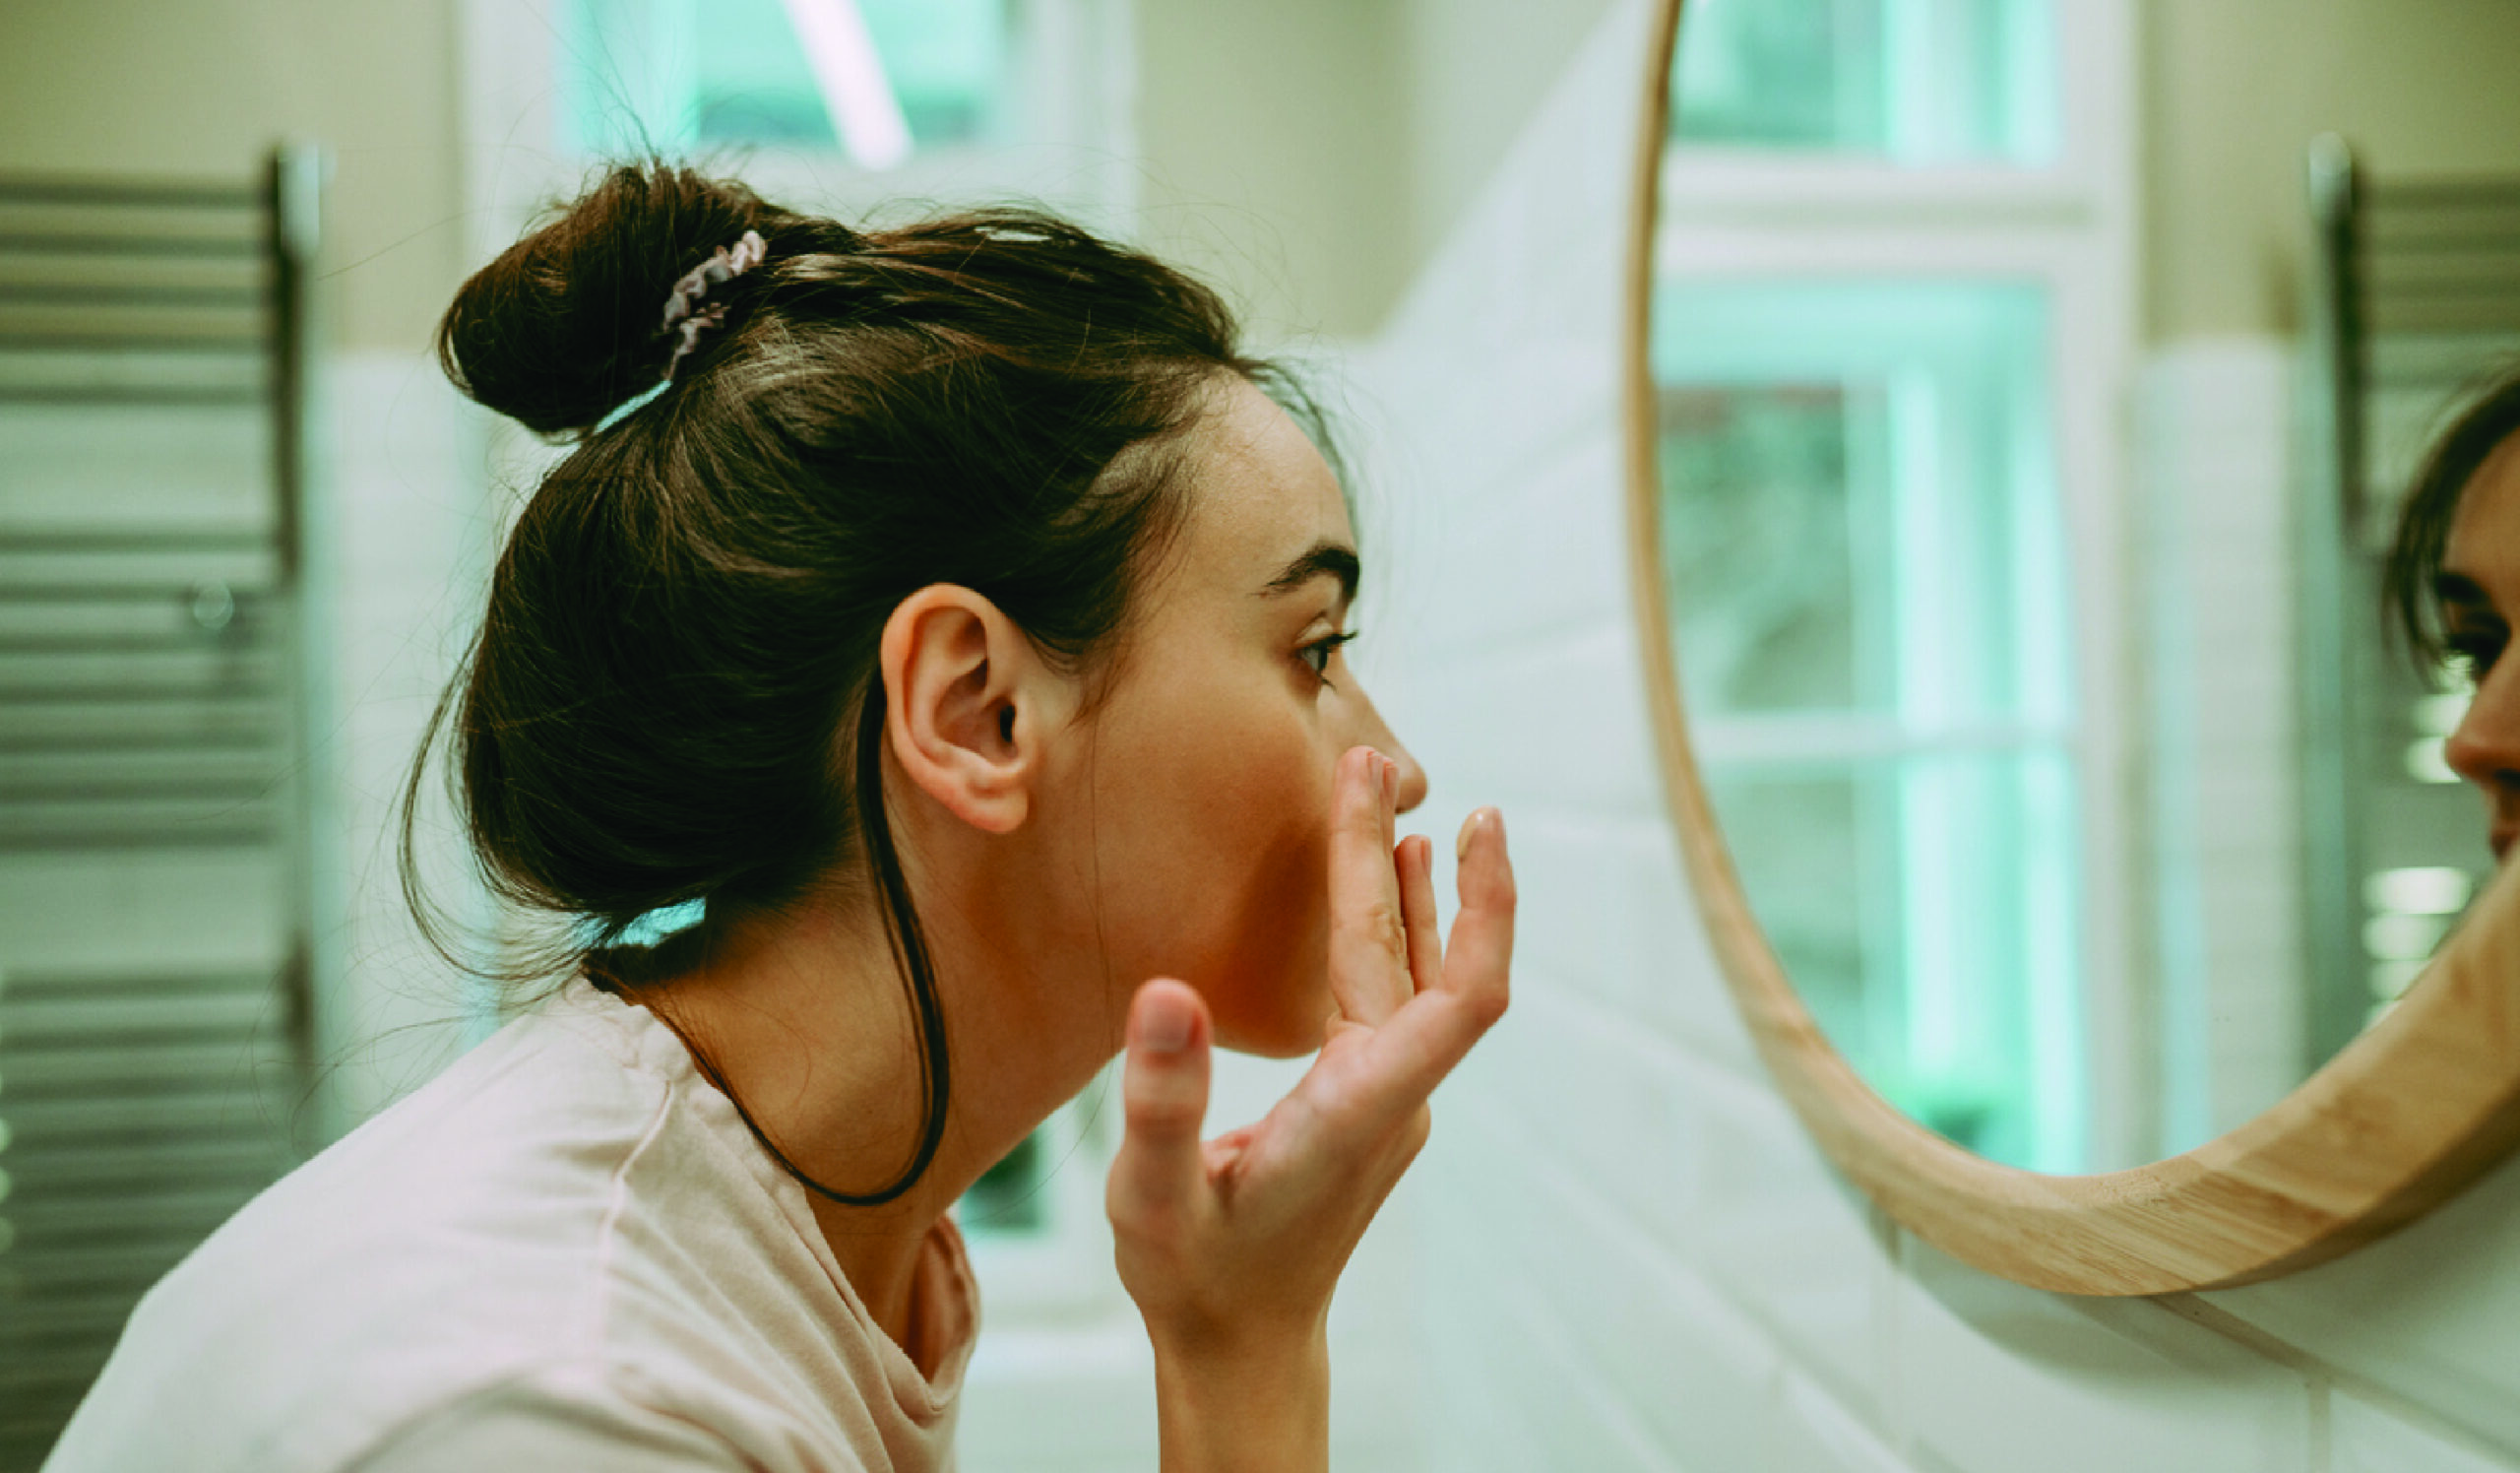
[(808, 1022)]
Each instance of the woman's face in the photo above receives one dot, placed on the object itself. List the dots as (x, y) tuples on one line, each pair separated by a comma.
[(1204, 776), (2480, 590)]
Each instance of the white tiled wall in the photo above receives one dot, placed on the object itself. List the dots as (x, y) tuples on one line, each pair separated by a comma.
[(1629, 1257), (2213, 419), (399, 533)]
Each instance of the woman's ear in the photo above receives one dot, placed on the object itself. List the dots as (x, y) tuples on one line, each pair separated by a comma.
[(967, 705)]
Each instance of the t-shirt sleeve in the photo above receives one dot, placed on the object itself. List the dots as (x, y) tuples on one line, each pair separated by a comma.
[(525, 1427)]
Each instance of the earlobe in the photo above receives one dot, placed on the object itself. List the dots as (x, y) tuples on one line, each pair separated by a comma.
[(958, 676)]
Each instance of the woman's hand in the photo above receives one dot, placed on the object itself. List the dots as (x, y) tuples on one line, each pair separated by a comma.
[(1231, 1248)]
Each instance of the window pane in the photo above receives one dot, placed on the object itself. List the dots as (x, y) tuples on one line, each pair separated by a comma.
[(1759, 527), (1923, 908), (1867, 581), (1860, 502), (676, 74), (1916, 80)]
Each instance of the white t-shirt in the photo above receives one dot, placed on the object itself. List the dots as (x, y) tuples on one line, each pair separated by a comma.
[(565, 1252)]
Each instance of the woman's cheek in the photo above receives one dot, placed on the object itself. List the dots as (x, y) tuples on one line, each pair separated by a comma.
[(1273, 993)]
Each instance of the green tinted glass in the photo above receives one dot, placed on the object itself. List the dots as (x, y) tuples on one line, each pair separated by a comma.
[(673, 75), (1917, 80), (1863, 547)]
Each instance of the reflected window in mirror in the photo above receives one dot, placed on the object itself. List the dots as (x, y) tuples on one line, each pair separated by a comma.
[(1922, 82), (1862, 536)]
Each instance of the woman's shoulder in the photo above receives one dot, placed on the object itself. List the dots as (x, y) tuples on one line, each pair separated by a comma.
[(475, 1233)]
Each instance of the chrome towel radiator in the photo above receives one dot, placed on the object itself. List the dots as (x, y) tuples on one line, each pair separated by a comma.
[(155, 1015)]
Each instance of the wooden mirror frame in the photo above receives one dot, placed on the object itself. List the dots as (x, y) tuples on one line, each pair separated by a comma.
[(2399, 1121)]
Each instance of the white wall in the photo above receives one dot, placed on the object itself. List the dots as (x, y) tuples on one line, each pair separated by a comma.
[(1630, 1256), (2213, 420), (399, 534)]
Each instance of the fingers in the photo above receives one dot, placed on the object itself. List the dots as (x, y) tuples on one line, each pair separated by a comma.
[(1483, 941), (1415, 861), (1164, 1099), (1368, 948), (1421, 1043), (1388, 772)]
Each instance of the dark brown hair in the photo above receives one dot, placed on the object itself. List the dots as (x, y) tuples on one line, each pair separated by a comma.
[(673, 695), (2409, 578)]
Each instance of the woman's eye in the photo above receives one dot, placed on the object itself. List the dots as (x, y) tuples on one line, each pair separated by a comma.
[(1316, 655)]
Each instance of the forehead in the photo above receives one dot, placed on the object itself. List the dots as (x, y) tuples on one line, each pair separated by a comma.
[(1259, 493), (2485, 532)]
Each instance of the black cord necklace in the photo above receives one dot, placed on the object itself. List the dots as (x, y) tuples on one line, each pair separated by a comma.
[(708, 1071)]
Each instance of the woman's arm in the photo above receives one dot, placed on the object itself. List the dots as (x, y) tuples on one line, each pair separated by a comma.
[(1231, 1248)]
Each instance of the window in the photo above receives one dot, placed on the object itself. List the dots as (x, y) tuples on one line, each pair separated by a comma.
[(850, 106), (1890, 298), (678, 75), (1915, 81), (1858, 495)]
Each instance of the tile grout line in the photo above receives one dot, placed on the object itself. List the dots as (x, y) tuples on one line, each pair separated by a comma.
[(2326, 1379)]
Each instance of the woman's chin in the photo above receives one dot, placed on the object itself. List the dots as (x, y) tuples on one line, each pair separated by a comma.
[(1278, 1048), (1280, 1034)]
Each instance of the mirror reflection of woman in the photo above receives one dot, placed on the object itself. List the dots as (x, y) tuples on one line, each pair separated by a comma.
[(959, 623), (2453, 584)]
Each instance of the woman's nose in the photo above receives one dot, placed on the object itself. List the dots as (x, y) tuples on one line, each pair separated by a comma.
[(1413, 778), (2486, 748), (1378, 734)]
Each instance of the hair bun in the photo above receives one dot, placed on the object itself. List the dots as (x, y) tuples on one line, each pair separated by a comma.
[(567, 323)]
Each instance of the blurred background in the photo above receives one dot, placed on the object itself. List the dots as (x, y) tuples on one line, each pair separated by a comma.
[(2020, 515)]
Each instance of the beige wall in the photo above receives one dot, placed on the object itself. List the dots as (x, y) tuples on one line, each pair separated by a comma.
[(1310, 155), (2233, 90), (1477, 70), (1272, 138), (1305, 154), (204, 85)]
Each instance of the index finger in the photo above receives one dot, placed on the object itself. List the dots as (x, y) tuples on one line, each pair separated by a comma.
[(1369, 937)]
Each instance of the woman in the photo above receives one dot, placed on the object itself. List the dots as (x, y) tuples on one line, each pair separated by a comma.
[(2453, 583), (957, 619)]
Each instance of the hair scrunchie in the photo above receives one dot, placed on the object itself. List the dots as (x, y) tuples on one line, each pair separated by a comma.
[(688, 310)]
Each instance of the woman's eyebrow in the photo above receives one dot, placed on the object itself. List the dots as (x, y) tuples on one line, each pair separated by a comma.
[(1322, 559)]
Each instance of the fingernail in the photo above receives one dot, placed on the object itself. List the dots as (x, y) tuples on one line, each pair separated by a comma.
[(1469, 827), (1164, 1026), (1390, 782)]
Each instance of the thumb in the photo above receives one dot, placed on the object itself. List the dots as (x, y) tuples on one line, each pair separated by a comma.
[(1165, 1097)]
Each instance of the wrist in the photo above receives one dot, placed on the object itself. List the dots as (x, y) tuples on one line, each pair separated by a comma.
[(1250, 1403), (1242, 1343)]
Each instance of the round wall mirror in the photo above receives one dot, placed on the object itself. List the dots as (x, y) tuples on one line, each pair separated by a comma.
[(2008, 499)]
